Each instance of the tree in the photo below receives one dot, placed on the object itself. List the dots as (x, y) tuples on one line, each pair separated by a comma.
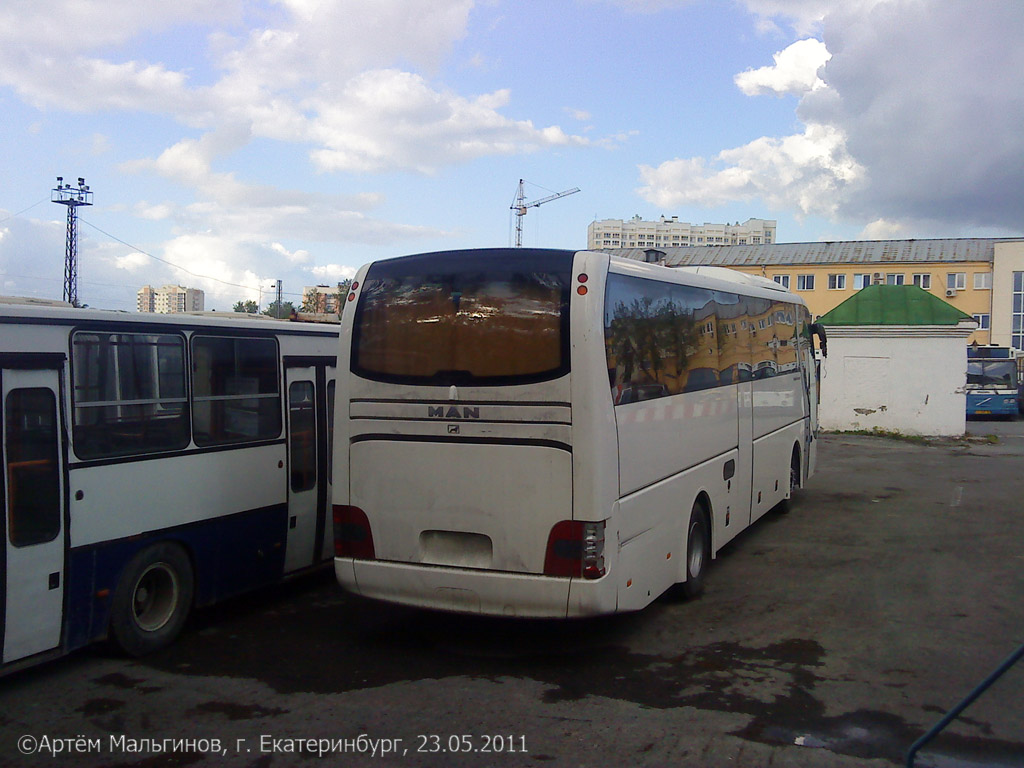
[(343, 289), (283, 310), (248, 307)]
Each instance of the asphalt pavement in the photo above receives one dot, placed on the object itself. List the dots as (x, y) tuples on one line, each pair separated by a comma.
[(833, 635)]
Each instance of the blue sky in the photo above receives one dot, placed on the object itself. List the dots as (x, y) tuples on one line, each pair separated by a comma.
[(229, 144)]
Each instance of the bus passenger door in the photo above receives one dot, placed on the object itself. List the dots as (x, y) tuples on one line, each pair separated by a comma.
[(309, 492), (32, 572)]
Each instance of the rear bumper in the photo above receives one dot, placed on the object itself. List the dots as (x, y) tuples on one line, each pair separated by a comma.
[(482, 592)]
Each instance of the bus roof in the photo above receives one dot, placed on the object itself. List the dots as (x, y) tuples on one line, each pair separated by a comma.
[(62, 313)]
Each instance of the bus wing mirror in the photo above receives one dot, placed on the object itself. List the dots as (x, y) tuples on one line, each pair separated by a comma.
[(817, 329)]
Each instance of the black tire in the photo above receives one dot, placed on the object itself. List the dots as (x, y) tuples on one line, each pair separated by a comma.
[(786, 505), (698, 553), (152, 600)]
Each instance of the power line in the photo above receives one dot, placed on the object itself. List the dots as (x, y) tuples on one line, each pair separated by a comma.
[(26, 210), (138, 250), (171, 263)]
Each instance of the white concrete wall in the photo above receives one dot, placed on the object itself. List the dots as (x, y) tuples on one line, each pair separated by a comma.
[(1008, 258), (908, 380)]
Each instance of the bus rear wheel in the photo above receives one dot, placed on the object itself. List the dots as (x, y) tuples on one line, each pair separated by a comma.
[(794, 482), (152, 599), (698, 553)]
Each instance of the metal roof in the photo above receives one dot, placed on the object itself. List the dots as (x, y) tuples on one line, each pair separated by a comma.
[(893, 305), (841, 252)]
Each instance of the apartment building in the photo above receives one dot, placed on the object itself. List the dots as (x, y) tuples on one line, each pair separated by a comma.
[(983, 277), (323, 299), (170, 299), (669, 232)]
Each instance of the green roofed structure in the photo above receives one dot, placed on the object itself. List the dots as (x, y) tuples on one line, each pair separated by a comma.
[(897, 362), (905, 305)]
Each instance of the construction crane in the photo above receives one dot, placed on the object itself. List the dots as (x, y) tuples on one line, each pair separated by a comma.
[(520, 205)]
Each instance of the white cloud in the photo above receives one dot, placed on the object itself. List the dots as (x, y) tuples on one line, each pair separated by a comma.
[(319, 73), (154, 211), (295, 257), (917, 121), (132, 262), (884, 229), (389, 119), (795, 71), (804, 16), (333, 273), (805, 171)]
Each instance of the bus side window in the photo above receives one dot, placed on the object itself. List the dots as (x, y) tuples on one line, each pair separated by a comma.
[(302, 427), (33, 482), (236, 392)]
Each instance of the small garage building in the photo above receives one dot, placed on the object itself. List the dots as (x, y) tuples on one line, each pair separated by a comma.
[(897, 362)]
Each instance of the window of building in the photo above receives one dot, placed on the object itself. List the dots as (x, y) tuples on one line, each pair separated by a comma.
[(861, 280), (956, 280), (1017, 316), (923, 280), (837, 282), (236, 393), (128, 393), (805, 282), (984, 322), (983, 281), (782, 280), (893, 278)]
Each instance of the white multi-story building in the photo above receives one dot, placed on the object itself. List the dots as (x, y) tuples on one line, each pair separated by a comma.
[(672, 233), (169, 299)]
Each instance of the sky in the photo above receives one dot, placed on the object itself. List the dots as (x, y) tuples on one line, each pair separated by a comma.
[(231, 144)]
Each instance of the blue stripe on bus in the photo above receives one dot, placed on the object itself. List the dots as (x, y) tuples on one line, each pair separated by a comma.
[(230, 555)]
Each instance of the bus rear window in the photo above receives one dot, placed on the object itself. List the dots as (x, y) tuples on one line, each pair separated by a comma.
[(464, 318)]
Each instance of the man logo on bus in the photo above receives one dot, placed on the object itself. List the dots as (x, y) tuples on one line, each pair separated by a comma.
[(439, 412)]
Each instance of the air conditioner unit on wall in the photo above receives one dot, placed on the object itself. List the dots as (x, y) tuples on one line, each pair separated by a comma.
[(950, 293), (877, 278)]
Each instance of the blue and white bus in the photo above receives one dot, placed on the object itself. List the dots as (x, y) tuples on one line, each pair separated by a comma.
[(554, 433), (992, 381), (153, 463)]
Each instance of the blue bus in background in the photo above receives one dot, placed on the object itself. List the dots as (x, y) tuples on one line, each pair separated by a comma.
[(993, 381)]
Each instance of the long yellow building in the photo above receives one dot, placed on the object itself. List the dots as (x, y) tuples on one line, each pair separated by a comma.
[(983, 277)]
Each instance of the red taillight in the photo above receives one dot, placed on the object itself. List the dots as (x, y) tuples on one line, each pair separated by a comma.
[(352, 536), (575, 548)]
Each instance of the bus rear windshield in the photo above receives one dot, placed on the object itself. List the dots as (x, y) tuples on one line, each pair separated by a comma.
[(468, 318)]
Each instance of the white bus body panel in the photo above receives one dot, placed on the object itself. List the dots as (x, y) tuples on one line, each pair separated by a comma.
[(177, 490), (461, 504), (658, 438)]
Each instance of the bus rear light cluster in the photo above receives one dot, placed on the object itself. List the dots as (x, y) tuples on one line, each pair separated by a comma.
[(575, 549), (352, 535)]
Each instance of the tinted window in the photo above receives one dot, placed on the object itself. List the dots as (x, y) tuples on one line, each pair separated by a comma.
[(302, 435), (129, 393), (663, 339), (237, 397), (33, 469), (467, 318)]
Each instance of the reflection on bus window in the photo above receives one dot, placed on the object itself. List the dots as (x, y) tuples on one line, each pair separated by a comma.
[(664, 339), (33, 480), (503, 323)]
